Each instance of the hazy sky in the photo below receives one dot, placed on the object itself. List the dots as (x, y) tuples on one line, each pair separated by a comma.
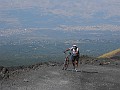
[(13, 12)]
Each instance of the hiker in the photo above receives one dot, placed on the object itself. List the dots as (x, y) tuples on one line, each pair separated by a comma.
[(74, 55)]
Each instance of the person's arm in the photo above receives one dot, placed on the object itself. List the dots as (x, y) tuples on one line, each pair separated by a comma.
[(66, 50), (77, 51)]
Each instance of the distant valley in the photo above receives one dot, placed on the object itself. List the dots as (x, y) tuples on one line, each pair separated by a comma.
[(32, 45)]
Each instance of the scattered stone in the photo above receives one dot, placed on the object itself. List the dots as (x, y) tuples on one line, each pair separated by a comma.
[(1, 67), (4, 73), (104, 63), (52, 64), (26, 80)]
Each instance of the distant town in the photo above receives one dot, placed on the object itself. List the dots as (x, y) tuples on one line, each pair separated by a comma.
[(97, 27), (12, 31)]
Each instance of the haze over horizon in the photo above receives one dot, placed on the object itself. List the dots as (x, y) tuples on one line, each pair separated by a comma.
[(54, 13)]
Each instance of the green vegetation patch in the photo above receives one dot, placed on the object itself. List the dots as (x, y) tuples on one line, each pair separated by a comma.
[(110, 54)]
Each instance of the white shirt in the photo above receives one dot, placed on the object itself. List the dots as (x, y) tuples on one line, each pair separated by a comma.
[(74, 50)]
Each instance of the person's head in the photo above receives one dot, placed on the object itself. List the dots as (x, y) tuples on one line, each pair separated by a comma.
[(74, 46)]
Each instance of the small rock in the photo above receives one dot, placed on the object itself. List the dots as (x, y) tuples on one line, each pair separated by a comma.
[(26, 80), (4, 73), (51, 64), (1, 67)]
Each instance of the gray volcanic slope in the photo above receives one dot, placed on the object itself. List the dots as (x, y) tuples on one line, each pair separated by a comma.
[(50, 77), (44, 77)]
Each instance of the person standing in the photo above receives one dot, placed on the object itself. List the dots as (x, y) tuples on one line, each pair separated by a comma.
[(74, 55)]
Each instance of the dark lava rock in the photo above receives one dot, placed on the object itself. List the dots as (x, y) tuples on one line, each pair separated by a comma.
[(4, 73)]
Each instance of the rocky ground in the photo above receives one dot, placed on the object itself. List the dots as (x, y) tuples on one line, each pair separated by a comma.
[(92, 74)]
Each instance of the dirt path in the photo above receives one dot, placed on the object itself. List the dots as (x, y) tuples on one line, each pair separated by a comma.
[(88, 77)]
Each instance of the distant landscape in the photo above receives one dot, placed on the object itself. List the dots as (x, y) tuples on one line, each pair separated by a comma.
[(32, 45), (33, 31)]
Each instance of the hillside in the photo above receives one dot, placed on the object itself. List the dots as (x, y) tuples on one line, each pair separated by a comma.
[(50, 76), (112, 54)]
